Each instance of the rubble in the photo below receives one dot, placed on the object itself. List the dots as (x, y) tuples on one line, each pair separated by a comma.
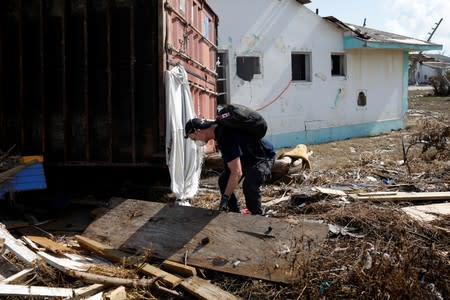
[(385, 205)]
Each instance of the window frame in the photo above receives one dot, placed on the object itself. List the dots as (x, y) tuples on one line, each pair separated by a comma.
[(307, 67), (342, 64)]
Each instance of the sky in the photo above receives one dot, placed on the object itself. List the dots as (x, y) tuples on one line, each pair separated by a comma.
[(412, 18)]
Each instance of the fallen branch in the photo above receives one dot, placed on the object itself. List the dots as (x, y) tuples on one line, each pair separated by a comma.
[(107, 280)]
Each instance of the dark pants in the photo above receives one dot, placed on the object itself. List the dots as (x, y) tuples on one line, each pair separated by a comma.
[(254, 177)]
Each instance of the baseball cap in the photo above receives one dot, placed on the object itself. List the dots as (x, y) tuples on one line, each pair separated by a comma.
[(194, 124)]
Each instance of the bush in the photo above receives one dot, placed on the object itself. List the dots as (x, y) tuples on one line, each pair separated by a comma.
[(441, 84)]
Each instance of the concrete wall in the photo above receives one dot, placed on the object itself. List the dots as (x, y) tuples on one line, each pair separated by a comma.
[(423, 73), (325, 108)]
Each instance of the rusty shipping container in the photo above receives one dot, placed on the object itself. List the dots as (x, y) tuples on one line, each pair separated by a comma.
[(81, 81)]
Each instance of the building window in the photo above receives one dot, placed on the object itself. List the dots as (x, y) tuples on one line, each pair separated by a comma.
[(338, 65), (247, 67), (182, 5), (301, 66), (206, 25)]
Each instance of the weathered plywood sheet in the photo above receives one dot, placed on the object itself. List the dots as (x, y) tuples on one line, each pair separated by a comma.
[(176, 232), (428, 213), (402, 196)]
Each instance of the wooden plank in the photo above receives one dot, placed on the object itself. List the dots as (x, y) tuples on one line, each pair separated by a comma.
[(236, 244), (169, 279), (402, 196), (98, 296), (22, 252), (2, 243), (180, 269), (106, 251), (87, 291), (41, 291), (205, 290), (120, 256), (49, 244), (117, 294), (64, 264), (276, 201), (329, 191), (17, 277), (428, 213)]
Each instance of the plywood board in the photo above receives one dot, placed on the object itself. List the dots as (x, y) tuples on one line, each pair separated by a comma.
[(428, 213), (402, 196), (226, 242)]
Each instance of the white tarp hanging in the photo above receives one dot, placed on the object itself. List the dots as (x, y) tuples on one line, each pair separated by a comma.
[(183, 157)]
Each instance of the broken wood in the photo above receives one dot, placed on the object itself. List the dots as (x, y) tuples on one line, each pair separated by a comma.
[(402, 196), (15, 246), (428, 213), (34, 291), (329, 191), (276, 201), (178, 268), (31, 244), (98, 296), (49, 244), (205, 290), (117, 294), (63, 264), (188, 226), (119, 256), (108, 252), (169, 279), (17, 277), (87, 291), (7, 268)]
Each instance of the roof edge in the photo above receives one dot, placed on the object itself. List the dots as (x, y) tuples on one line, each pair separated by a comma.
[(351, 42)]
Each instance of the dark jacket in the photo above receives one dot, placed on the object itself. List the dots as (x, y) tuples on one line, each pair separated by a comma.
[(232, 144)]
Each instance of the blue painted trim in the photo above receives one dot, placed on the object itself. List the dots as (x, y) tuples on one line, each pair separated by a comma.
[(334, 134), (351, 42), (405, 82)]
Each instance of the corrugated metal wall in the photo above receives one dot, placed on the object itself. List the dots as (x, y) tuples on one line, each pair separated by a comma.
[(192, 40), (81, 81)]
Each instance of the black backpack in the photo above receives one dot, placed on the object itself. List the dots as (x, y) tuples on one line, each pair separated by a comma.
[(241, 117)]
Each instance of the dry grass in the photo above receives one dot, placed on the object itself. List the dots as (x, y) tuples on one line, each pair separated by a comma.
[(397, 259)]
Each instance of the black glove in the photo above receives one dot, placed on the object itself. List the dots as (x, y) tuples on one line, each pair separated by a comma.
[(223, 206)]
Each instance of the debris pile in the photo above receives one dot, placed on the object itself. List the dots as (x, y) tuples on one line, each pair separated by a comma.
[(383, 201), (86, 269)]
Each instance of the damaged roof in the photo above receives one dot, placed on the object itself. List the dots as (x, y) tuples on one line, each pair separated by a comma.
[(364, 37), (437, 65), (437, 57)]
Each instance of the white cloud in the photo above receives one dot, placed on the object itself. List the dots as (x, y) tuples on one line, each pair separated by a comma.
[(416, 18)]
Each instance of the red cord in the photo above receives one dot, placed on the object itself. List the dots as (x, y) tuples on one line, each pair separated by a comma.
[(276, 98)]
